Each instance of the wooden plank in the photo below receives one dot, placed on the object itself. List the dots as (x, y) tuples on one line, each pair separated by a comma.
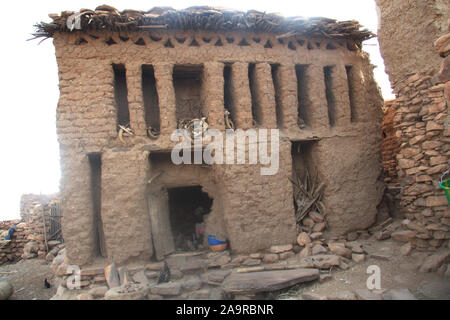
[(158, 206)]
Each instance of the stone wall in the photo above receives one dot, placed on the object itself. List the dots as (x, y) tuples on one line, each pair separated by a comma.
[(418, 149), (12, 250), (253, 211)]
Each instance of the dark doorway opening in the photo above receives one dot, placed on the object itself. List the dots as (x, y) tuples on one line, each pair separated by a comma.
[(187, 208)]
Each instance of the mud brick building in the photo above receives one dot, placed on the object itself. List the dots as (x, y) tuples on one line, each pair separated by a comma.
[(122, 197)]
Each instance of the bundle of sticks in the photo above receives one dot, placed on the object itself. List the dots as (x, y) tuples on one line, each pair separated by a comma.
[(308, 193)]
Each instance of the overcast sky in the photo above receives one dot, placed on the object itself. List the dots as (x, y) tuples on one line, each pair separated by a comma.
[(29, 161)]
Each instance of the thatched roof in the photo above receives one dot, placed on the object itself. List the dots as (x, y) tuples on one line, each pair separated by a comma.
[(199, 18)]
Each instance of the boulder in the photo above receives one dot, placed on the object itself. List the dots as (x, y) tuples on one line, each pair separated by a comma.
[(112, 276), (98, 292), (6, 289), (303, 239), (266, 281), (433, 262)]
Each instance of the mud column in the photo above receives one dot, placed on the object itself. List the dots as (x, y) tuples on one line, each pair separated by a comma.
[(135, 100), (212, 94), (78, 226), (340, 91), (287, 81), (318, 100), (124, 210), (240, 89), (265, 95), (166, 96)]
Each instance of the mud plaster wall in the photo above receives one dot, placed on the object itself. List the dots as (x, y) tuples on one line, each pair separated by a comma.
[(406, 33), (257, 211)]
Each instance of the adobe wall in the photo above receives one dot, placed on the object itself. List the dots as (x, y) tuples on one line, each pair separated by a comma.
[(254, 211), (406, 33)]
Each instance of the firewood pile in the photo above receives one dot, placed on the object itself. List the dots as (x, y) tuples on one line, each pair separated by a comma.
[(308, 193), (200, 18)]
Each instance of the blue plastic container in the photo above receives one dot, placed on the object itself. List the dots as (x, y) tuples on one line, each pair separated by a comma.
[(212, 241)]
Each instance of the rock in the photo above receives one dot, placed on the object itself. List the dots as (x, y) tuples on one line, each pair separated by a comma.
[(219, 260), (306, 251), (53, 243), (141, 277), (30, 248), (383, 235), (112, 276), (154, 297), (365, 294), (403, 235), (251, 262), (316, 235), (257, 255), (312, 296), (325, 277), (286, 255), (318, 249), (319, 227), (267, 281), (303, 239), (380, 256), (130, 291), (358, 257), (202, 294), (317, 217), (98, 292), (398, 294), (193, 267), (308, 222), (442, 45), (343, 265), (340, 249), (124, 276), (218, 276), (433, 262), (281, 248), (405, 249), (6, 289), (270, 258), (167, 289), (355, 247), (352, 236), (157, 266), (192, 284), (84, 296), (325, 261)]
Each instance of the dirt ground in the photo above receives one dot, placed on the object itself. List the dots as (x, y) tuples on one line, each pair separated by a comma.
[(27, 278), (397, 271)]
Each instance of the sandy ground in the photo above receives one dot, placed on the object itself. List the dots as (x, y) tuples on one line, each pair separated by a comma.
[(397, 271), (27, 278)]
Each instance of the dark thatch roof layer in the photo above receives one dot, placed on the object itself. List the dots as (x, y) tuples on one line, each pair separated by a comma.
[(199, 18)]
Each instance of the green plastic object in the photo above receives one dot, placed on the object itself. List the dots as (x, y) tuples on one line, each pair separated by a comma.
[(445, 184)]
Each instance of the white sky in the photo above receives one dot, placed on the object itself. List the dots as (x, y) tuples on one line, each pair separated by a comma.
[(29, 161)]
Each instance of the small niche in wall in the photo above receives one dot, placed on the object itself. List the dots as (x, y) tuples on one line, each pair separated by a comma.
[(121, 95), (301, 71), (331, 102), (351, 92), (150, 97), (187, 81)]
